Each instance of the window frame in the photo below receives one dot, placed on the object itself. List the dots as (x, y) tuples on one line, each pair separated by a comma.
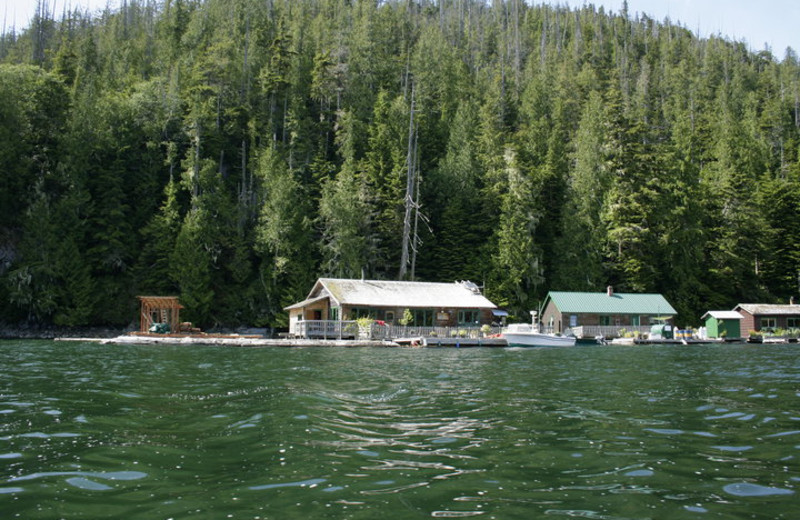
[(469, 317)]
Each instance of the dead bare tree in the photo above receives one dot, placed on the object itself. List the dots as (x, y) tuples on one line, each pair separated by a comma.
[(410, 186)]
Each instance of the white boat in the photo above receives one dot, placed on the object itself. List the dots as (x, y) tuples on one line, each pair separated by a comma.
[(530, 335), (527, 335)]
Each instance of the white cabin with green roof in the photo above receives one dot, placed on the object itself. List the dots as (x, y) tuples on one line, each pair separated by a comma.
[(591, 314)]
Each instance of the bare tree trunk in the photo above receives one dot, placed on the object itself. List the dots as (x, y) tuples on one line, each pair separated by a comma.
[(415, 242), (196, 165), (409, 199), (796, 109), (244, 192)]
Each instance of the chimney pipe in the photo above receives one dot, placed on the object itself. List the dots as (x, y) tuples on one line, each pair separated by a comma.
[(610, 290)]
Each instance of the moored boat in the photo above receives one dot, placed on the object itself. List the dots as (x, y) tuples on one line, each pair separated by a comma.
[(528, 335)]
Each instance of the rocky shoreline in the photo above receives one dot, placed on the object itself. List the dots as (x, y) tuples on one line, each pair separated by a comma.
[(53, 332)]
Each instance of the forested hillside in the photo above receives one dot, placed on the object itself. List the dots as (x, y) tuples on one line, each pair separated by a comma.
[(232, 151)]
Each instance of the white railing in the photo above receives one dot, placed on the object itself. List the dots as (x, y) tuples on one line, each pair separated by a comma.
[(608, 331), (410, 331), (329, 329), (326, 329)]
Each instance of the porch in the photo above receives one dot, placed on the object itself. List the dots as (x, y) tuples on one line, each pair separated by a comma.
[(609, 331), (345, 329)]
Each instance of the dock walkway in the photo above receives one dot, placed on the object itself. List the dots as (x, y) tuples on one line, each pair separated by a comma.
[(254, 341)]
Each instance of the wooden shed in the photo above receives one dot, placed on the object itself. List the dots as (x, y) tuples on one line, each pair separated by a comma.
[(765, 317), (723, 324), (160, 309)]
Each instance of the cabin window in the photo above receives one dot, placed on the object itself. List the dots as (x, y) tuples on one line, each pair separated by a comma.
[(605, 321), (468, 317), (768, 323), (573, 320), (390, 316), (793, 323), (361, 312), (636, 321), (422, 318), (333, 314)]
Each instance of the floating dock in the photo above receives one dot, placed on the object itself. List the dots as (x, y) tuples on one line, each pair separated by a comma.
[(451, 342), (232, 340)]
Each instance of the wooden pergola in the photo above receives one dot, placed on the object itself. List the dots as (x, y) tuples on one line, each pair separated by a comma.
[(160, 309)]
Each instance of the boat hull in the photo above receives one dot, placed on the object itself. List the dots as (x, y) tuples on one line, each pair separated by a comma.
[(537, 339)]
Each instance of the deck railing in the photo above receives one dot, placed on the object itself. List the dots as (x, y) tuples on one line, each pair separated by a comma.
[(410, 331), (329, 329), (609, 331), (326, 329)]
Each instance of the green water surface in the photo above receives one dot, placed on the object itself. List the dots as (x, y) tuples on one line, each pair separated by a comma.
[(155, 432)]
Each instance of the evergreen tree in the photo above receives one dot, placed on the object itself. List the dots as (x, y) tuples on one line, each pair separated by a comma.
[(580, 250), (190, 267), (348, 249), (517, 262), (231, 151), (459, 223), (283, 234), (159, 238), (385, 171), (736, 245)]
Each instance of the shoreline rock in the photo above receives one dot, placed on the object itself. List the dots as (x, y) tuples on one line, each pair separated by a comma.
[(53, 332)]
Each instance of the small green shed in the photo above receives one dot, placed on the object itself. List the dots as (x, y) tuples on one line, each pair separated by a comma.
[(723, 324)]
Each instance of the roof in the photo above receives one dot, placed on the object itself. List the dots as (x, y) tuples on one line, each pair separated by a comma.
[(617, 303), (377, 293), (307, 302), (161, 302), (723, 315), (766, 309)]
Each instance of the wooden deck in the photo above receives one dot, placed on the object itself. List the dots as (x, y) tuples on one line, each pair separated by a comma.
[(451, 342), (260, 341), (332, 329)]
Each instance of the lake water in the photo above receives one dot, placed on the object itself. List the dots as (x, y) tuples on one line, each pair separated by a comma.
[(155, 432)]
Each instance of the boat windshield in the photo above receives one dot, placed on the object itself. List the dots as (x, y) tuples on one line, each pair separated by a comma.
[(520, 327)]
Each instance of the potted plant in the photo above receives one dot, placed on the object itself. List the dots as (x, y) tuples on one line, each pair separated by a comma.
[(365, 327)]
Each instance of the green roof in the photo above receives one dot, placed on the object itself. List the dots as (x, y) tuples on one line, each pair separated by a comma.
[(617, 303)]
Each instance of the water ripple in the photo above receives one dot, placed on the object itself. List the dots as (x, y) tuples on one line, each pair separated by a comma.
[(456, 514), (109, 475), (310, 483), (593, 433), (746, 489)]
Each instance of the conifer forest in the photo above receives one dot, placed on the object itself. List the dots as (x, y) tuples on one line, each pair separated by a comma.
[(230, 152)]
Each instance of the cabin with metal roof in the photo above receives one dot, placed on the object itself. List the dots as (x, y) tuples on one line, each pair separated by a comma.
[(591, 314), (419, 304), (766, 317), (723, 324)]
